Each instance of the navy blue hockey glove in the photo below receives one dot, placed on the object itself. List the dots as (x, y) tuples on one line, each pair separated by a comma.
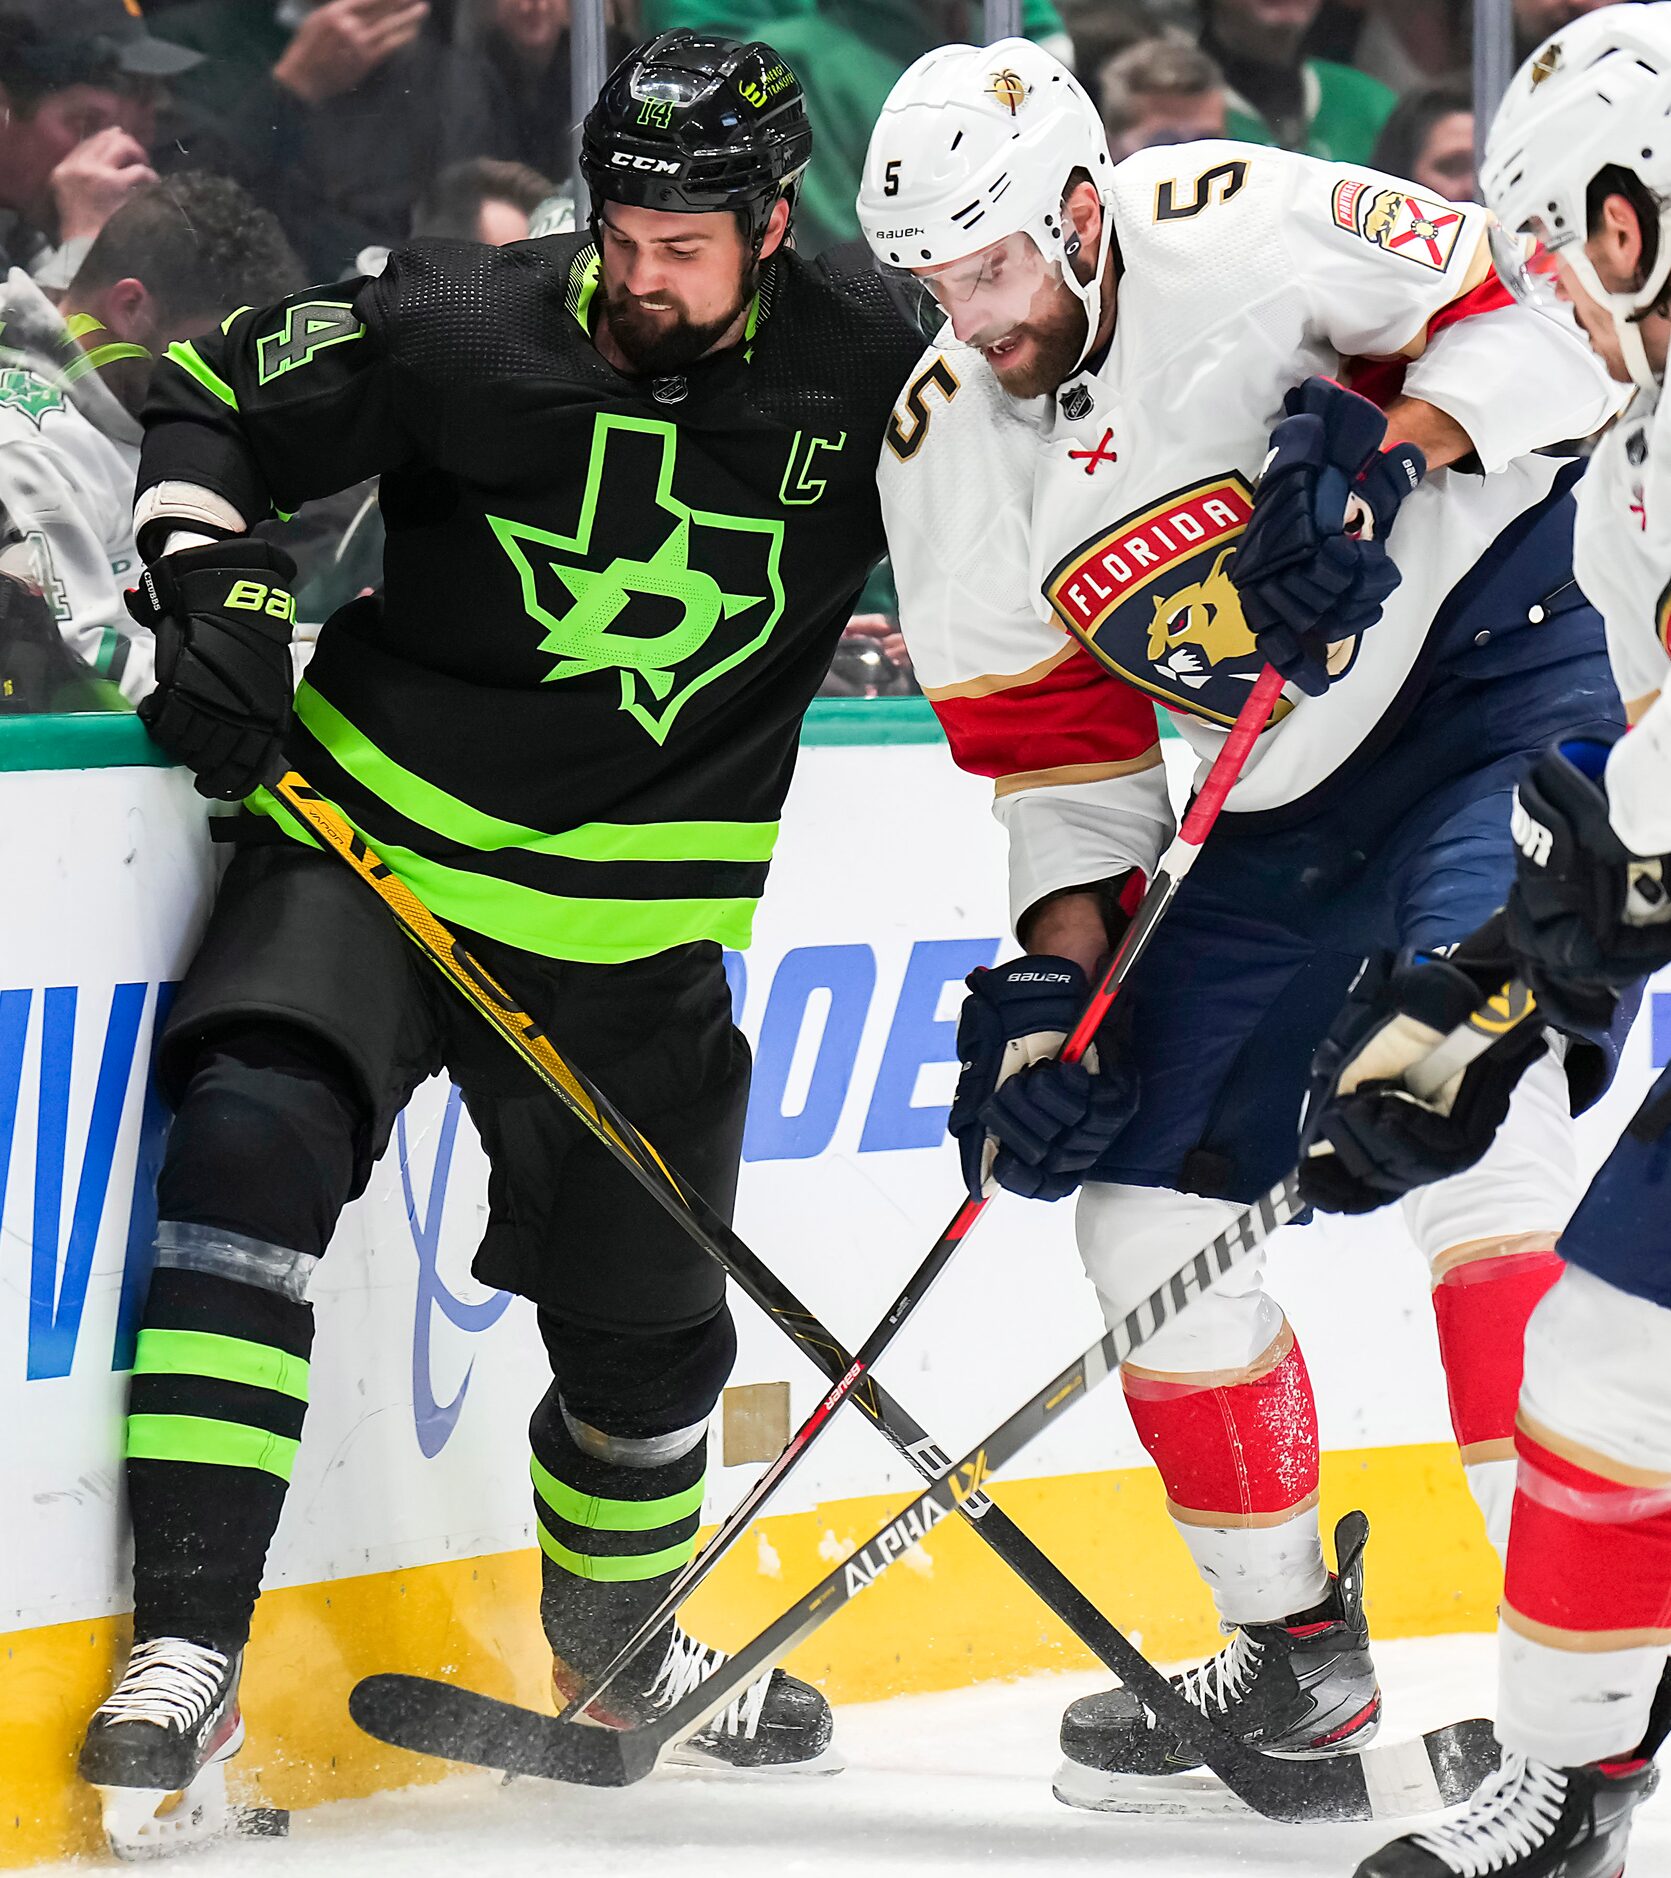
[(1367, 1138), (1312, 567), (1034, 1124), (222, 616), (1588, 918)]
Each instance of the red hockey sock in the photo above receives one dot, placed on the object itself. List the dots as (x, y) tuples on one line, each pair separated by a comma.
[(1589, 1554), (1240, 1445), (1482, 1305)]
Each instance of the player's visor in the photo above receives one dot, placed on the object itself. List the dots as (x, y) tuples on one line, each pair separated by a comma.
[(1525, 264), (984, 298)]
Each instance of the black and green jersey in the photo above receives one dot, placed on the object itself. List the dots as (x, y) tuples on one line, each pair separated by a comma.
[(570, 718)]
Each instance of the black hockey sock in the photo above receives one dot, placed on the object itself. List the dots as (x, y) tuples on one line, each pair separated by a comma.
[(613, 1536), (215, 1411)]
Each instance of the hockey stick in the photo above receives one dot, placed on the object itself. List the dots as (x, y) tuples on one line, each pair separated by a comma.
[(1157, 897), (403, 1709), (437, 1718), (1264, 1784)]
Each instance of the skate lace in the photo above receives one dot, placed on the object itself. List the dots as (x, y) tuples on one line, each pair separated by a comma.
[(1215, 1684), (167, 1681), (689, 1663), (1510, 1816)]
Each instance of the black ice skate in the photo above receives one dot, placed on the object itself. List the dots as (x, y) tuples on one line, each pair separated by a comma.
[(1529, 1820), (156, 1746), (1301, 1688), (777, 1725)]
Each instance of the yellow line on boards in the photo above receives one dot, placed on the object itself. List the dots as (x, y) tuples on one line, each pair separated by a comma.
[(947, 1616)]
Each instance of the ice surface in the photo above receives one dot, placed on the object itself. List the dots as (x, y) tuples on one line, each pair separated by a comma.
[(933, 1784)]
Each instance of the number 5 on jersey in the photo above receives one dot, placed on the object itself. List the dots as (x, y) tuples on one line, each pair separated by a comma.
[(907, 430)]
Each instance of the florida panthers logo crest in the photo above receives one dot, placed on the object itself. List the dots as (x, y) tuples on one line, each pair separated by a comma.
[(1152, 599)]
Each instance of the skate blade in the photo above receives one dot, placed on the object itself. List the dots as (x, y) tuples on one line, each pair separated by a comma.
[(1176, 1796), (701, 1760), (147, 1822)]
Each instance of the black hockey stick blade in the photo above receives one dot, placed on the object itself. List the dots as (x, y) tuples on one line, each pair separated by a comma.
[(439, 1718)]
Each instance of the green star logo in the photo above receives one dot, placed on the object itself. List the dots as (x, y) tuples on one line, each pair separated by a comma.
[(22, 391), (684, 597)]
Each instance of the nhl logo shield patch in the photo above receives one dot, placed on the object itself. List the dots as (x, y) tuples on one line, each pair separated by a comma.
[(1151, 598), (1077, 403)]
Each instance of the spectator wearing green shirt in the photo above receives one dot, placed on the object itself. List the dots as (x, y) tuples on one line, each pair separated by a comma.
[(1278, 97), (847, 55)]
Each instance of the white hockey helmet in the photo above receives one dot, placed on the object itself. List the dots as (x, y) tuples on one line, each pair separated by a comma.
[(1596, 93), (975, 144)]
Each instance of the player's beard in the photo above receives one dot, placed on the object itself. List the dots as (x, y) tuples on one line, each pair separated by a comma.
[(1058, 340), (655, 342)]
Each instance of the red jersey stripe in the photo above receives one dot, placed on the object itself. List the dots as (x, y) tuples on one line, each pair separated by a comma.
[(1076, 714), (1383, 379)]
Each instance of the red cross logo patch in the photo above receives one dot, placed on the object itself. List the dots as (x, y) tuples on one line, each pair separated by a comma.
[(1103, 452), (1416, 228)]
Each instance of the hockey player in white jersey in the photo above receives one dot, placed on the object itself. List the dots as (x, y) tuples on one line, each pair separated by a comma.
[(1578, 169), (172, 261), (1122, 475)]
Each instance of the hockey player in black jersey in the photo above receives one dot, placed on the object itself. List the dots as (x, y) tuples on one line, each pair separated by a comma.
[(628, 482)]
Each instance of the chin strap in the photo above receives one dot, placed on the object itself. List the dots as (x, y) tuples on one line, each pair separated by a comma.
[(1089, 294), (1629, 309)]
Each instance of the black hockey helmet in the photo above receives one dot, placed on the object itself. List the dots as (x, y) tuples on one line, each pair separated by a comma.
[(688, 121)]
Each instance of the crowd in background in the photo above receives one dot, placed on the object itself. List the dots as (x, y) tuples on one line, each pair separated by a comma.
[(325, 132)]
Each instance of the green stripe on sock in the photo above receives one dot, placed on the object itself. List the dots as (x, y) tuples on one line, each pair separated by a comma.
[(617, 1570), (227, 1359), (601, 1514), (218, 1444)]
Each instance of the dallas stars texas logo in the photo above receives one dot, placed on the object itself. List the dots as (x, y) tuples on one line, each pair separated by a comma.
[(22, 390), (672, 597)]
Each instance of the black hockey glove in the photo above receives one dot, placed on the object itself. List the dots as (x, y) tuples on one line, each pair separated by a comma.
[(223, 616), (1034, 1124), (1589, 918), (1312, 567), (1367, 1139)]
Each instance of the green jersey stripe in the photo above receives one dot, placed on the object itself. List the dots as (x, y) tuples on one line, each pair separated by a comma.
[(190, 360), (616, 1570), (226, 1359), (555, 926), (593, 932), (597, 1511), (214, 1443), (421, 801)]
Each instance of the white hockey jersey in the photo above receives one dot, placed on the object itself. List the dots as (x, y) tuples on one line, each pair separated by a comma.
[(1061, 562), (69, 452), (1621, 554)]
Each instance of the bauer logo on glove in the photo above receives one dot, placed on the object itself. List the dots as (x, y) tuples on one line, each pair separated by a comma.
[(1021, 1117), (222, 617)]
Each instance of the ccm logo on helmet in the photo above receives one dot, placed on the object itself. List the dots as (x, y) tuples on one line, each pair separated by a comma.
[(658, 166)]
